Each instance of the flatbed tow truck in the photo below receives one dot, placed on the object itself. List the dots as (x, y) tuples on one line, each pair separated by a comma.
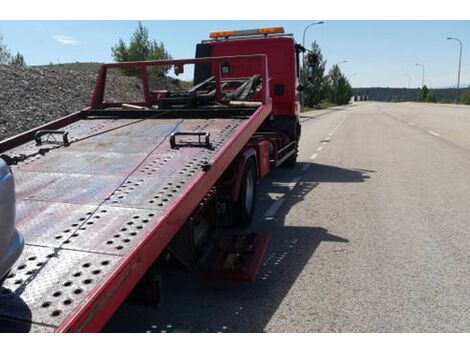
[(108, 192)]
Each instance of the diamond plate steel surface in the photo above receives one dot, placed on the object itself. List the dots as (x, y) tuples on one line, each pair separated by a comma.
[(46, 285), (65, 188), (50, 224), (152, 128), (117, 144), (87, 127), (113, 230), (81, 208), (67, 161)]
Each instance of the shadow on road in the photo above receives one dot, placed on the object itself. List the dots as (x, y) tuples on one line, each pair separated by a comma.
[(192, 305)]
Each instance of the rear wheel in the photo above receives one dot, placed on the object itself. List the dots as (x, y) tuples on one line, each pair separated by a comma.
[(245, 206), (291, 161)]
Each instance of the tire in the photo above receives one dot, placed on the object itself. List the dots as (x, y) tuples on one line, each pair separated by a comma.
[(244, 207), (291, 162)]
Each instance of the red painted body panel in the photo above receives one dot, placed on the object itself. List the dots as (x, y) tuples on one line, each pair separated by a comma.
[(263, 149)]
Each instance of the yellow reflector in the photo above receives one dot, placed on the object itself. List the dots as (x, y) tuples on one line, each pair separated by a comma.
[(271, 30), (222, 34)]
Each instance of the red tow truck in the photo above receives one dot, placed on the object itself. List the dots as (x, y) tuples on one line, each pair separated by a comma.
[(110, 191)]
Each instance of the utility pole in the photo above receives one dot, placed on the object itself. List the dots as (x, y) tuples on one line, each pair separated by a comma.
[(422, 66), (460, 66)]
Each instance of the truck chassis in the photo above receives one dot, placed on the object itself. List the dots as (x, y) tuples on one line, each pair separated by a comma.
[(102, 192)]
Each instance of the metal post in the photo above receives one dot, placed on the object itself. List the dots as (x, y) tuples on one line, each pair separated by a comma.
[(422, 66), (460, 65)]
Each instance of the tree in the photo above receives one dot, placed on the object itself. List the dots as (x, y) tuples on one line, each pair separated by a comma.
[(5, 55), (316, 89), (17, 60), (465, 97), (431, 97), (340, 91), (6, 58), (141, 48), (422, 93)]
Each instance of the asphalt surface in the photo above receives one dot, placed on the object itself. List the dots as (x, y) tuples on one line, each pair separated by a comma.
[(370, 232)]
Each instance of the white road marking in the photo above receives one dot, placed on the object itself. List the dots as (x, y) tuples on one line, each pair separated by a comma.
[(434, 133), (411, 124), (269, 215), (314, 156), (294, 182), (305, 167), (319, 148), (289, 185)]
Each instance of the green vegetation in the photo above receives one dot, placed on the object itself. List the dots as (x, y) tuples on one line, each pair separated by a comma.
[(324, 91), (426, 95), (141, 48), (7, 58), (465, 97), (431, 97), (315, 90), (339, 89), (446, 101)]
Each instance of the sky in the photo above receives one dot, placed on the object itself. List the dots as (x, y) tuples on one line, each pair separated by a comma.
[(378, 53)]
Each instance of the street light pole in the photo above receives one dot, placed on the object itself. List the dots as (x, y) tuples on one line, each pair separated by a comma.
[(336, 83), (422, 66), (409, 79), (460, 65), (302, 94), (305, 30)]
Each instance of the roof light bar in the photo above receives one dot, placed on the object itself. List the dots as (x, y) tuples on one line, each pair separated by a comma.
[(246, 32)]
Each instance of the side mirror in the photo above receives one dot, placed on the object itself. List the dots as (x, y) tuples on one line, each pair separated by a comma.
[(179, 69), (312, 63), (310, 72)]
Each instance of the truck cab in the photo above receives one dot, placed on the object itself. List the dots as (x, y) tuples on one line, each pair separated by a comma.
[(283, 67), (283, 61)]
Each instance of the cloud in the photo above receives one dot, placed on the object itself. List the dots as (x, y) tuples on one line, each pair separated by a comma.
[(65, 39)]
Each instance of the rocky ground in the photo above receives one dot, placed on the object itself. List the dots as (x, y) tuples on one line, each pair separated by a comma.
[(32, 96)]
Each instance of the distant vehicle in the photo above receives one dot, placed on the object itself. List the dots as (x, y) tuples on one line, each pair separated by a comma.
[(11, 242)]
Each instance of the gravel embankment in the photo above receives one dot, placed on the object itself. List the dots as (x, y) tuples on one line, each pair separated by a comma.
[(30, 97)]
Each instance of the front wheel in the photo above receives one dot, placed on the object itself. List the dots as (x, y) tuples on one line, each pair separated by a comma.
[(245, 206)]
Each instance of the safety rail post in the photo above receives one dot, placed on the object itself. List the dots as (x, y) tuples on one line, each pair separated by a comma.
[(145, 83), (98, 93), (218, 83)]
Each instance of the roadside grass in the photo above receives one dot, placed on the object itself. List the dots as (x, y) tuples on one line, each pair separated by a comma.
[(323, 105)]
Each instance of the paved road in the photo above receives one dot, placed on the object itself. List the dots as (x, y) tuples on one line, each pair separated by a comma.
[(369, 233)]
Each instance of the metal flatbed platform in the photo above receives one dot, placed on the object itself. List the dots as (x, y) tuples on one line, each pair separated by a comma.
[(96, 214), (84, 208)]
